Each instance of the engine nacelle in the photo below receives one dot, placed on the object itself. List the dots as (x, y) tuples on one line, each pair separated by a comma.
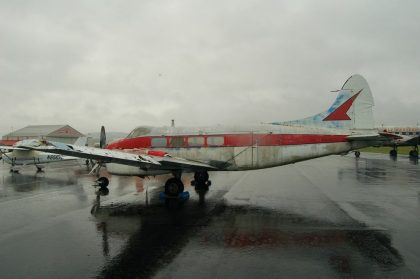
[(157, 153)]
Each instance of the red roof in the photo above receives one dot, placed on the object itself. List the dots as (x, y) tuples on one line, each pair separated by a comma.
[(7, 142)]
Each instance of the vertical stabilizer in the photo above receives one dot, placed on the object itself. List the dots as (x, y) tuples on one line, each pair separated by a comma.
[(352, 109)]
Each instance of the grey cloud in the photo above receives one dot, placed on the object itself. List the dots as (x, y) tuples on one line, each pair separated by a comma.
[(124, 64)]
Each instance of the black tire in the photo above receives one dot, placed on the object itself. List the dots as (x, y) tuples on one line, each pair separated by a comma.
[(103, 191), (393, 153), (357, 154), (102, 181), (173, 187)]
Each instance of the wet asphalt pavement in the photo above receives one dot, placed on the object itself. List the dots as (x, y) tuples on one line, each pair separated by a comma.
[(327, 218)]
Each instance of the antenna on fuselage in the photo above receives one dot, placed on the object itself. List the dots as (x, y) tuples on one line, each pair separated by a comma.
[(172, 122)]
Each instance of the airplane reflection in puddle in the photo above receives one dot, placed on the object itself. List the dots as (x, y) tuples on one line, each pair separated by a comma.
[(160, 235)]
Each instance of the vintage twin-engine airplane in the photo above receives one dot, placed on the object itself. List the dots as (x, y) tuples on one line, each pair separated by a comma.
[(347, 125)]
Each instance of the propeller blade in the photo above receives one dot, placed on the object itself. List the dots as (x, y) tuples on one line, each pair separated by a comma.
[(102, 139)]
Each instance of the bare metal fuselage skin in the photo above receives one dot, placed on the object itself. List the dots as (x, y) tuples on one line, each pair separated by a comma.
[(249, 148)]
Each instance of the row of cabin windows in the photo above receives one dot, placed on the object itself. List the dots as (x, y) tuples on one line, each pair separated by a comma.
[(408, 133), (190, 141)]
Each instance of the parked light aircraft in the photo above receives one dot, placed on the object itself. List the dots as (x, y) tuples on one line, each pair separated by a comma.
[(148, 151), (18, 157), (403, 136)]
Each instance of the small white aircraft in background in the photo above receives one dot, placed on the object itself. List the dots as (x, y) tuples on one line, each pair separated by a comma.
[(402, 136), (18, 157), (148, 151)]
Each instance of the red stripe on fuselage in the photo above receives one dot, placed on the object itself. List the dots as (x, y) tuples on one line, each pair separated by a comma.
[(231, 140)]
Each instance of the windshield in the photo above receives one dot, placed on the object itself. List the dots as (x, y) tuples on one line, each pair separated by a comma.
[(139, 131)]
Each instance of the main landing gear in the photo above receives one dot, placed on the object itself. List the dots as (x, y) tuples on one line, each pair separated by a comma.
[(174, 188), (102, 183), (201, 183), (174, 194), (414, 153), (394, 152)]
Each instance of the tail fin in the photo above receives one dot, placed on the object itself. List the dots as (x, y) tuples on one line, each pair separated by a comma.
[(352, 109)]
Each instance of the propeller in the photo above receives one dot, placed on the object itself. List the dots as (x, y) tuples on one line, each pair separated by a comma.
[(102, 143), (102, 138)]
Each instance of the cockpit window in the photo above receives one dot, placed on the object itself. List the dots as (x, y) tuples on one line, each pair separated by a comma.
[(138, 132)]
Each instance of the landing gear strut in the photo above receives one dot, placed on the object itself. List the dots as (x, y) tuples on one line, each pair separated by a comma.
[(201, 183)]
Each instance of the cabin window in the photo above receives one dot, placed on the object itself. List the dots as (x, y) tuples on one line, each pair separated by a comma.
[(177, 141), (196, 141), (215, 141), (158, 142), (404, 133), (410, 133)]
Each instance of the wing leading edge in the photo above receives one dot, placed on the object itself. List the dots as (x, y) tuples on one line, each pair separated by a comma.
[(113, 156)]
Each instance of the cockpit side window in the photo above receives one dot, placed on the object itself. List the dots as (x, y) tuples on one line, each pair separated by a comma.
[(138, 132)]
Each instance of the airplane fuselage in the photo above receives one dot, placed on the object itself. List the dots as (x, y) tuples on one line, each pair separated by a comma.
[(237, 148)]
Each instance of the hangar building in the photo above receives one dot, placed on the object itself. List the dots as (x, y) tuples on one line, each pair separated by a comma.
[(59, 133)]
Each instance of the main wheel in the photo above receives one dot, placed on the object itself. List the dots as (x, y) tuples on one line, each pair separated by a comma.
[(102, 181), (173, 187), (393, 153), (102, 191), (357, 154)]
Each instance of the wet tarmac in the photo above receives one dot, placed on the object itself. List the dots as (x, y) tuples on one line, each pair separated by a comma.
[(331, 217)]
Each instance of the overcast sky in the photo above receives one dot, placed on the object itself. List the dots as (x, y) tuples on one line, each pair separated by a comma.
[(128, 63)]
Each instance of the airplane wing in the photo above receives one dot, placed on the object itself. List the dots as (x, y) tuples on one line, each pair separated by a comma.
[(385, 139), (379, 138), (7, 148), (113, 156), (413, 141)]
